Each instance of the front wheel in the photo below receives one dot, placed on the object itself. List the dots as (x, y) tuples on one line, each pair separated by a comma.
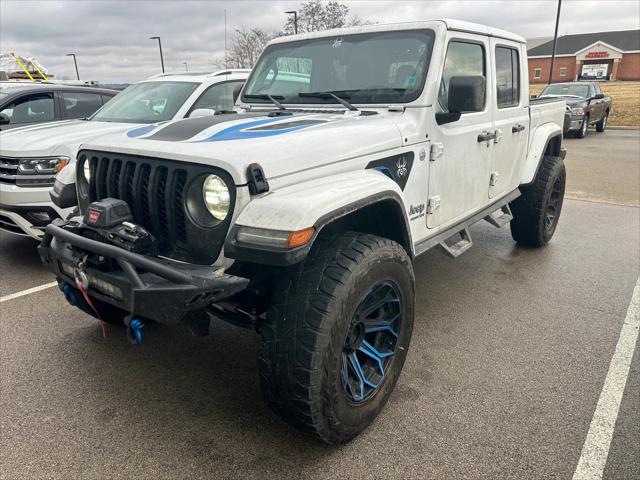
[(583, 127), (602, 124), (337, 335), (537, 211)]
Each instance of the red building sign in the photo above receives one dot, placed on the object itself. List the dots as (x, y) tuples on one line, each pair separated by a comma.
[(597, 55)]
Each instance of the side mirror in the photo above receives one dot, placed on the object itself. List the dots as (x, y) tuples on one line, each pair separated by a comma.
[(466, 94), (598, 96), (4, 119), (202, 112), (532, 96)]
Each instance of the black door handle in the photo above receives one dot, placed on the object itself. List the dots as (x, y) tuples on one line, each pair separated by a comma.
[(484, 136), (517, 128)]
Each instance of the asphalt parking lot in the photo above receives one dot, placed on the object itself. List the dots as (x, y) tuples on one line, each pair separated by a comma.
[(510, 352)]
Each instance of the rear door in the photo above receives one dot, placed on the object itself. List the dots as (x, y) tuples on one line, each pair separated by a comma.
[(79, 104), (510, 116), (598, 105), (459, 177)]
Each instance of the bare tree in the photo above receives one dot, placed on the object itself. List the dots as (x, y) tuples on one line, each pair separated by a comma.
[(318, 15), (246, 46)]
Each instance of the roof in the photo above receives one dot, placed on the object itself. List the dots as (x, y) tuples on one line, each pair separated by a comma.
[(14, 87), (199, 76), (450, 24), (624, 40)]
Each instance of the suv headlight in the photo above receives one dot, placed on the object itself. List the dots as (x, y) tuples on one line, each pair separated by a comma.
[(577, 111), (216, 196), (42, 166)]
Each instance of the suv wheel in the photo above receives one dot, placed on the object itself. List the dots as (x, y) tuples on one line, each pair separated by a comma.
[(337, 335), (583, 128), (537, 211), (602, 124)]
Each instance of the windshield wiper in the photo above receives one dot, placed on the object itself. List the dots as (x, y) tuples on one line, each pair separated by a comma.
[(329, 95), (265, 96)]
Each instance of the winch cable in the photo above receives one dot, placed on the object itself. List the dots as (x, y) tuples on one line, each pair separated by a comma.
[(95, 310)]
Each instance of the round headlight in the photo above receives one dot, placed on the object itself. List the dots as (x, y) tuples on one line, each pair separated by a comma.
[(216, 196), (87, 171)]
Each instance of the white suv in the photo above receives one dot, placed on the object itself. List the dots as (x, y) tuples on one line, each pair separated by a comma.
[(30, 157)]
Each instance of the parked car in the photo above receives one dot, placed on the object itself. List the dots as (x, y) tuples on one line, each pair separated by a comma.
[(587, 105), (31, 157), (299, 216), (28, 103)]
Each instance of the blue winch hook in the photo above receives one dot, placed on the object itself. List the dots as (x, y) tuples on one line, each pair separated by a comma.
[(134, 330), (70, 294)]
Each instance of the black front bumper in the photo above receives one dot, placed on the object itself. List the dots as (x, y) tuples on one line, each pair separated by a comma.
[(149, 287)]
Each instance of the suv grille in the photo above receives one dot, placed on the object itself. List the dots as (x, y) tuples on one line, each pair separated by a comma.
[(157, 192), (9, 174)]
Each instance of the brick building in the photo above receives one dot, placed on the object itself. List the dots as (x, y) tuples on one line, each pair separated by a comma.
[(588, 56)]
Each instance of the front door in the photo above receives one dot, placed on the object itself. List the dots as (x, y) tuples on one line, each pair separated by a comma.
[(459, 177), (510, 116)]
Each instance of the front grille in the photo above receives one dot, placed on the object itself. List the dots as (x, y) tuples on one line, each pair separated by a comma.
[(158, 192), (9, 174)]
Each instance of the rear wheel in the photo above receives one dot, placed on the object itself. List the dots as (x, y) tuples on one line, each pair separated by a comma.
[(337, 335), (537, 211), (602, 124)]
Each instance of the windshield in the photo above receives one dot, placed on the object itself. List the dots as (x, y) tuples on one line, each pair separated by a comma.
[(581, 91), (380, 67), (147, 102)]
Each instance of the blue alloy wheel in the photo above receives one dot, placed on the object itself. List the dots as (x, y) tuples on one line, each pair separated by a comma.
[(370, 343)]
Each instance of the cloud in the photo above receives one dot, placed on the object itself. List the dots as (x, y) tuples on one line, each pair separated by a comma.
[(111, 38)]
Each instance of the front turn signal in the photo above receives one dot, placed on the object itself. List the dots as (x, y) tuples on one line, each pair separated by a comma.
[(301, 237)]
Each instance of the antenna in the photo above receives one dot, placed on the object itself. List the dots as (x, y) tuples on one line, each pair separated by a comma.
[(225, 39)]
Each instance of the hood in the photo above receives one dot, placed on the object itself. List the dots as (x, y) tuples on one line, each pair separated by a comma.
[(60, 138), (282, 145), (575, 102)]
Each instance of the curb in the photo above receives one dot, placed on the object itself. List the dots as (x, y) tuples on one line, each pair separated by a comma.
[(622, 127)]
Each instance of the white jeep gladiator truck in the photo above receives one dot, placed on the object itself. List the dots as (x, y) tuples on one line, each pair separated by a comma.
[(353, 151), (33, 158)]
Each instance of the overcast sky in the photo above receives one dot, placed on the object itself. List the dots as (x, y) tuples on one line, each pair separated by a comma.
[(111, 41)]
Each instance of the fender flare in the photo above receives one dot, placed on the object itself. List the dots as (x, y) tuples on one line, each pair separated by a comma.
[(357, 191), (543, 136)]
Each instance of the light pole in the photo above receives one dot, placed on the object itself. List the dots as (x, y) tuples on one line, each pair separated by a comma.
[(555, 41), (160, 47), (295, 19), (75, 63), (186, 69)]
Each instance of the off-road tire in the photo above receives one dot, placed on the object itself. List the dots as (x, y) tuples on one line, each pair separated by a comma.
[(584, 127), (301, 350), (602, 124), (530, 210)]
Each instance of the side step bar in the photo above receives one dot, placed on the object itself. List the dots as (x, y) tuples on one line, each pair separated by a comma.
[(463, 244), (456, 240), (500, 217)]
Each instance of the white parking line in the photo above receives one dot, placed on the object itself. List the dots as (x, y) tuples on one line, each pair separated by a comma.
[(596, 446), (6, 298)]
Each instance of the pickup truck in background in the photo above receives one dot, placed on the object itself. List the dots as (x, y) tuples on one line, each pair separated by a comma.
[(32, 158), (586, 105), (352, 153)]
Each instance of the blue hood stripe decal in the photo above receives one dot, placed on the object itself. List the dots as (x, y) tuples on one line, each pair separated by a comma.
[(138, 132), (241, 132)]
